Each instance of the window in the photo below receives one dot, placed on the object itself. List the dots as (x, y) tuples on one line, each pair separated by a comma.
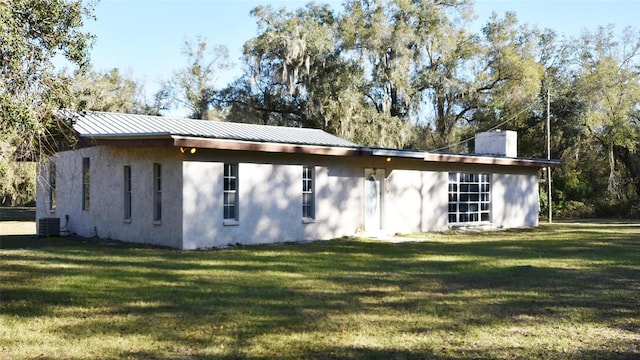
[(157, 192), (127, 192), (308, 204), (469, 197), (52, 185), (230, 206), (86, 180)]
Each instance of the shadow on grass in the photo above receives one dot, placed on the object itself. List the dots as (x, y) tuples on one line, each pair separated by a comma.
[(344, 299)]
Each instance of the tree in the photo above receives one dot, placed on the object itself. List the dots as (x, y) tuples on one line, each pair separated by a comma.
[(32, 33), (351, 75), (409, 74), (590, 87), (608, 81), (17, 178), (380, 67), (282, 64), (194, 85), (109, 91)]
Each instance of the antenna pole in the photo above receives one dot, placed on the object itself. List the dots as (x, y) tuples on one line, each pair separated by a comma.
[(549, 157)]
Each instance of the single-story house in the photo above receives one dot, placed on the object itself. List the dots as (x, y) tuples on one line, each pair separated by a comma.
[(192, 184)]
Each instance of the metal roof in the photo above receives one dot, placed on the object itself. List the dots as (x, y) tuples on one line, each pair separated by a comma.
[(118, 125), (216, 134)]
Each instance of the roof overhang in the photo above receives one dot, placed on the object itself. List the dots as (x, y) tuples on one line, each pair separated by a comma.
[(168, 140), (222, 144), (126, 141), (465, 159)]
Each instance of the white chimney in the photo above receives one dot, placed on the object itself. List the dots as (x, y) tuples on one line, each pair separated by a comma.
[(497, 143)]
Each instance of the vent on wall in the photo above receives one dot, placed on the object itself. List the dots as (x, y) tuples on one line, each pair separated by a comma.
[(49, 226)]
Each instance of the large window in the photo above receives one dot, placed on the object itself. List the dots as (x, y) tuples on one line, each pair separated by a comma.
[(127, 192), (86, 183), (469, 198), (230, 203), (308, 203), (52, 185), (157, 192)]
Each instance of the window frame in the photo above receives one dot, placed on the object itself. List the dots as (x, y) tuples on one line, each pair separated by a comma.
[(469, 198), (230, 194), (86, 184), (308, 194), (127, 193), (157, 193), (52, 186)]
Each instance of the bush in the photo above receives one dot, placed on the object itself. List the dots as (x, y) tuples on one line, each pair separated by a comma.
[(574, 209), (17, 183), (614, 208)]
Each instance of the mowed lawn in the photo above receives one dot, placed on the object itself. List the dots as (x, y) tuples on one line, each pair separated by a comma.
[(562, 291)]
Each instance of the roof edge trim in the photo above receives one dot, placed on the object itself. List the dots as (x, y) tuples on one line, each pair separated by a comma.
[(225, 144), (466, 159), (128, 136)]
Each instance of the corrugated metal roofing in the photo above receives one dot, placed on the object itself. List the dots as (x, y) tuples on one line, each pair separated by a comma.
[(103, 124), (127, 126)]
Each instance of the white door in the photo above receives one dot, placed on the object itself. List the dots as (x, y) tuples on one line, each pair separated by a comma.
[(373, 200)]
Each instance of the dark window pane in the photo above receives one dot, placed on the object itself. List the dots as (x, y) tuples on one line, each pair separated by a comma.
[(229, 212), (230, 198), (230, 191), (306, 198)]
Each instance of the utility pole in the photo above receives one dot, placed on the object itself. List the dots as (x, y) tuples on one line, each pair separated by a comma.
[(549, 157)]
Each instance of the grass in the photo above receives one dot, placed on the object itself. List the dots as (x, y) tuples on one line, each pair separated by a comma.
[(562, 291)]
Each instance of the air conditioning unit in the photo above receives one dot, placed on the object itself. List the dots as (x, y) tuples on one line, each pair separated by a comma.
[(49, 226)]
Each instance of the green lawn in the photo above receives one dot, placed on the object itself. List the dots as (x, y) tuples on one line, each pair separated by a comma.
[(562, 291)]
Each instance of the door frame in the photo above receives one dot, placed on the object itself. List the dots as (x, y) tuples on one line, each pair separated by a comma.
[(377, 224)]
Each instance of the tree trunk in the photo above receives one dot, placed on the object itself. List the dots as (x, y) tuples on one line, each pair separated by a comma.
[(631, 161), (614, 178)]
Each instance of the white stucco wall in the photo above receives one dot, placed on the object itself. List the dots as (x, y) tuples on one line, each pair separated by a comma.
[(270, 196), (105, 218), (515, 199), (416, 201), (202, 204), (269, 205), (270, 202), (339, 200)]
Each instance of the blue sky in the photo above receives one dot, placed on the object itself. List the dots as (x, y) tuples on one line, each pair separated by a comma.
[(143, 38)]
